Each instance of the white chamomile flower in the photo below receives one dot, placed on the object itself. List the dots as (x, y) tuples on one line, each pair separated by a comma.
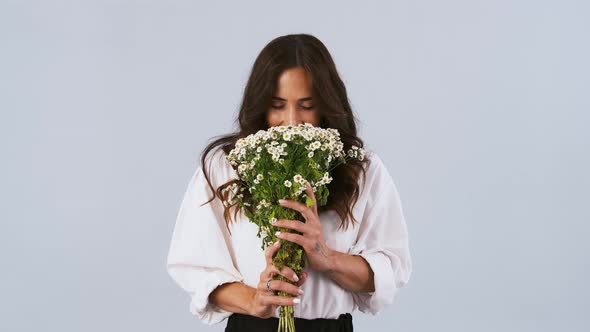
[(300, 191), (316, 145), (287, 136), (259, 177), (288, 183), (264, 231), (298, 178), (310, 154), (242, 168)]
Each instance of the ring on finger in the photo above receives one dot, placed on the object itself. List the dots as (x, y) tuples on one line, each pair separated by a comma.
[(268, 285)]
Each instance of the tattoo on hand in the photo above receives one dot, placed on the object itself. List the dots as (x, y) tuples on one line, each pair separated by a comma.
[(318, 248)]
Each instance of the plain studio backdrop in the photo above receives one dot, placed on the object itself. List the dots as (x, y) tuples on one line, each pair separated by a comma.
[(479, 110)]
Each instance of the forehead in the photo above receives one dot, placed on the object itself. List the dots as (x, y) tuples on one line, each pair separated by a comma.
[(293, 82)]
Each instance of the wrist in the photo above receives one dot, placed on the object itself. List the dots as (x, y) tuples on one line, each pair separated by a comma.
[(250, 309), (332, 261)]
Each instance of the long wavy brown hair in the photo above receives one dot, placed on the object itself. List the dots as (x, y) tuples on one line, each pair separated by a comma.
[(328, 93)]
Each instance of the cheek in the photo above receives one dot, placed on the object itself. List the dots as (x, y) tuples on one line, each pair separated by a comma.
[(272, 118), (312, 117)]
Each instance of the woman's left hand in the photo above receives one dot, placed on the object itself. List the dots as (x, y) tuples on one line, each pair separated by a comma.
[(319, 256)]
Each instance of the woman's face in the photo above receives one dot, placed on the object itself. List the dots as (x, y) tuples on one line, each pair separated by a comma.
[(293, 104)]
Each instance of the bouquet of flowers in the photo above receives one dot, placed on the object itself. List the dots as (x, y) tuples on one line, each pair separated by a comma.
[(277, 164)]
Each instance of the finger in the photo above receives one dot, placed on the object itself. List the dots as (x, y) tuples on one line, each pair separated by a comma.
[(280, 286), (292, 237), (306, 212), (296, 225), (287, 272), (302, 279), (262, 287), (270, 251), (265, 276), (269, 272), (279, 300)]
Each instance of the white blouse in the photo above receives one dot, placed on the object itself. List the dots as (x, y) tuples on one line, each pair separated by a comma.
[(203, 255)]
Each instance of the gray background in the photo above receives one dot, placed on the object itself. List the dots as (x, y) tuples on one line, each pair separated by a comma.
[(478, 109)]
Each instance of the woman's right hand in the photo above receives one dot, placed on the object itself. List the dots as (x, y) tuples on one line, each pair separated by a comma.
[(264, 302)]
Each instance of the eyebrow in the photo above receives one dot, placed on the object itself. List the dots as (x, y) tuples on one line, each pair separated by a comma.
[(300, 99)]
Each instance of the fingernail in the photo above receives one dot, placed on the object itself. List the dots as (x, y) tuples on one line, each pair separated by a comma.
[(278, 233), (296, 300), (300, 291), (295, 277), (277, 243), (281, 201)]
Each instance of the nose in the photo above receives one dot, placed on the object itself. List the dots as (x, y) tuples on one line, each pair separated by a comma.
[(292, 116)]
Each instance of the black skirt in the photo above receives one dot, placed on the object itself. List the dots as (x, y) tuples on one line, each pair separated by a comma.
[(246, 323)]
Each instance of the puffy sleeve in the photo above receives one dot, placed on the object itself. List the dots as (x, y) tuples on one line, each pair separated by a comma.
[(382, 240), (199, 257)]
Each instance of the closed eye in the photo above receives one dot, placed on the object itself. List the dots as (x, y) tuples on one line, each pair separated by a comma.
[(303, 107)]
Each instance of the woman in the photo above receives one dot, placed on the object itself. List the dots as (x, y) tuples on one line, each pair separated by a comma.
[(356, 245)]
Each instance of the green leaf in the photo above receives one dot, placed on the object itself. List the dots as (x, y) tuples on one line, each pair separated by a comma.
[(308, 201)]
